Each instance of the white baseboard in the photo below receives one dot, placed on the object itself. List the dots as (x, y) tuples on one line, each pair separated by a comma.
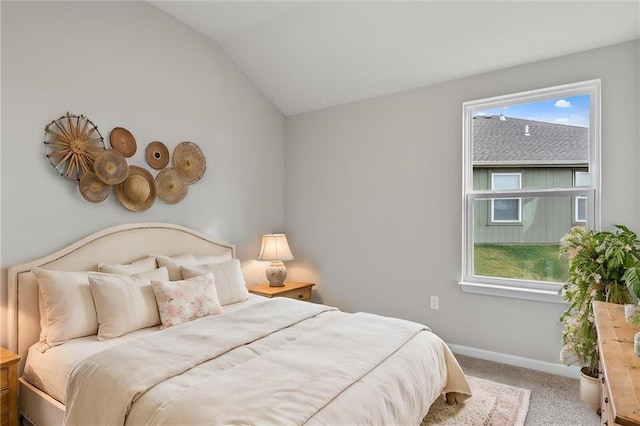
[(518, 361)]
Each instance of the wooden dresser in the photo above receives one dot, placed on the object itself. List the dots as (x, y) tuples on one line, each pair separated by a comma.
[(8, 388), (620, 404)]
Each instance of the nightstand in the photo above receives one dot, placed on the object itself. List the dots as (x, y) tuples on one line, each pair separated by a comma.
[(8, 388), (292, 289)]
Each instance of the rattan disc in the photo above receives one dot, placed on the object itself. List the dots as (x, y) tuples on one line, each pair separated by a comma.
[(171, 185), (189, 160), (110, 166), (122, 140), (157, 155), (92, 188)]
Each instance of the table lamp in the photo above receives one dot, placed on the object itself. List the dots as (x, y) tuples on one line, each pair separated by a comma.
[(276, 249)]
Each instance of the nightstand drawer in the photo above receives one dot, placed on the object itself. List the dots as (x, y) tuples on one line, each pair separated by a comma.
[(4, 408), (298, 293), (9, 389), (4, 378)]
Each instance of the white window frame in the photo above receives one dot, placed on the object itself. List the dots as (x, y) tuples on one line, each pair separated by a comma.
[(516, 288), (578, 182), (506, 221), (577, 219)]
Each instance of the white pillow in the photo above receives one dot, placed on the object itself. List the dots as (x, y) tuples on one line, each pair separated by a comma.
[(173, 264), (42, 343), (136, 267), (125, 303), (67, 304), (186, 300), (228, 278)]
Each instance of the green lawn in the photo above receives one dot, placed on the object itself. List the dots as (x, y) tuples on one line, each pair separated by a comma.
[(522, 261)]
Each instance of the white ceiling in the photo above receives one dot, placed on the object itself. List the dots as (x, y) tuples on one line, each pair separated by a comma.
[(307, 55)]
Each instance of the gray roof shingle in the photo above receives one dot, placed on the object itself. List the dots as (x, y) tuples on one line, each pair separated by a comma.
[(497, 141)]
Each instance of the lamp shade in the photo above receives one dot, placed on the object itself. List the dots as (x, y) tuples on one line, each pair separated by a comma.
[(275, 247)]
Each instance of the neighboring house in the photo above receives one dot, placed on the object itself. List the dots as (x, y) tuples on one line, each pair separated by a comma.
[(511, 153)]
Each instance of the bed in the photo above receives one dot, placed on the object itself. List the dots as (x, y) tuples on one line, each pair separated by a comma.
[(247, 360)]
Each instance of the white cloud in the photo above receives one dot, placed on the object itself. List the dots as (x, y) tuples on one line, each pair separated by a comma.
[(561, 120), (563, 103)]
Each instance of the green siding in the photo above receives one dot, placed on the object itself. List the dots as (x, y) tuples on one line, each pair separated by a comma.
[(544, 220)]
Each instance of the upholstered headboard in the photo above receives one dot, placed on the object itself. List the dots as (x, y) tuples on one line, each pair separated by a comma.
[(120, 244)]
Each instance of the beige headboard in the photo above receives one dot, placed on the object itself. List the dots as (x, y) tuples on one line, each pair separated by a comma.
[(120, 244)]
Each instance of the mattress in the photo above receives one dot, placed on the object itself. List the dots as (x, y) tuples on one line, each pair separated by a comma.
[(49, 371)]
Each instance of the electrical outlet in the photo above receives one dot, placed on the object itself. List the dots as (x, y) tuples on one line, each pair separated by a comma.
[(435, 302)]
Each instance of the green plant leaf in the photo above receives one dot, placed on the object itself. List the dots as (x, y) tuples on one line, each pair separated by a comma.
[(632, 278)]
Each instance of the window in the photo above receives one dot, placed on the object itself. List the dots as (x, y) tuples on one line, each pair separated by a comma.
[(505, 209), (531, 171), (580, 209), (582, 179)]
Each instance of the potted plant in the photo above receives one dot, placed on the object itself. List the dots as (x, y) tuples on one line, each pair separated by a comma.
[(603, 266)]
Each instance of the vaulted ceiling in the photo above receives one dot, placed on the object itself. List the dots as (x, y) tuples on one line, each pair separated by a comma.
[(308, 55)]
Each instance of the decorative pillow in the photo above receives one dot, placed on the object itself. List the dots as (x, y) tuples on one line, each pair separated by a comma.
[(228, 278), (125, 303), (186, 300), (136, 267), (173, 264), (67, 304), (42, 343)]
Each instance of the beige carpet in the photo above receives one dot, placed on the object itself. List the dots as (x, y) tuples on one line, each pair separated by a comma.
[(492, 404)]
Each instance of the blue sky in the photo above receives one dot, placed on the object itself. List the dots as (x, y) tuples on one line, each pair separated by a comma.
[(572, 110)]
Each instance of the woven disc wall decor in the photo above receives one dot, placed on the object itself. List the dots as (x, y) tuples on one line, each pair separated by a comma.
[(110, 166), (122, 140), (92, 188), (71, 144), (157, 155), (189, 159), (171, 185)]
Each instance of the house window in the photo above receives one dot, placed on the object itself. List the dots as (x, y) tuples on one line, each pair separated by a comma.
[(531, 164), (506, 210), (581, 179), (580, 209)]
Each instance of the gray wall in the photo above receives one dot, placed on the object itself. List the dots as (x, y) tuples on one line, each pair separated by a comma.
[(373, 196), (129, 64), (373, 189)]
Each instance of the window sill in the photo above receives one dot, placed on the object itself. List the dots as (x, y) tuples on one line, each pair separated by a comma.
[(540, 295)]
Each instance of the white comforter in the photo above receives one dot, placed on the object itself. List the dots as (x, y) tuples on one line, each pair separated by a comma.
[(278, 362)]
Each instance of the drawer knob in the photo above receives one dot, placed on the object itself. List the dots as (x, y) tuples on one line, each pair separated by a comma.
[(301, 296), (602, 379), (606, 400)]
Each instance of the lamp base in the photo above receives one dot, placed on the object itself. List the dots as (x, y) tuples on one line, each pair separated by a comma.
[(276, 274)]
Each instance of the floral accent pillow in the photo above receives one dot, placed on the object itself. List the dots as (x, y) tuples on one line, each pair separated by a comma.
[(186, 300)]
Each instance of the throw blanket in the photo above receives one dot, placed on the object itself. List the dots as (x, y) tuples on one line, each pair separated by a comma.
[(304, 376), (102, 388)]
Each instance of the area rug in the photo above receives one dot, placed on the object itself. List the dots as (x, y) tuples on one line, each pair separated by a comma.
[(492, 404)]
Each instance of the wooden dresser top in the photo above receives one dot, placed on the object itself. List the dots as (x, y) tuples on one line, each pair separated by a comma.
[(618, 361)]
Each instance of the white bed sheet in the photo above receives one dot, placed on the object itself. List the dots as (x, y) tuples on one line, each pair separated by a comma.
[(50, 371)]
